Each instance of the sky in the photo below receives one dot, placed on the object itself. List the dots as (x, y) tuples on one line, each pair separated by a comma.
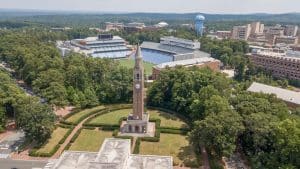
[(166, 6)]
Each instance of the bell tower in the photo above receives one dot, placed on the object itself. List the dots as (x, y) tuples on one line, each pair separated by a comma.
[(138, 86)]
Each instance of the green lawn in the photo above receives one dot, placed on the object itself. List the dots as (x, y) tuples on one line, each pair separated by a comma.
[(90, 140), (56, 136), (174, 145), (74, 118), (167, 120), (130, 63), (111, 117)]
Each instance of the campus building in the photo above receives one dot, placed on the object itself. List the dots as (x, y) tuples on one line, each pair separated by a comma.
[(289, 40), (224, 34), (103, 46), (290, 30), (209, 62), (241, 32), (292, 98), (171, 49), (281, 64), (114, 154)]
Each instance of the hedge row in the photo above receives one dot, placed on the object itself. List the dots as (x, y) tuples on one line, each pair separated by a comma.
[(89, 128), (64, 125), (75, 136), (35, 153), (136, 149), (171, 131), (66, 135)]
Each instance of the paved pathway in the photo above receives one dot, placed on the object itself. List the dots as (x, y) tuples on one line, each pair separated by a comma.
[(205, 158), (62, 146)]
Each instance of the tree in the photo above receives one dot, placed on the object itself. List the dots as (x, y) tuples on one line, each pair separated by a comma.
[(218, 132), (36, 119)]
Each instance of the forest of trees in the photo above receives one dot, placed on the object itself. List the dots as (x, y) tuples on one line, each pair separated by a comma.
[(225, 117), (74, 80)]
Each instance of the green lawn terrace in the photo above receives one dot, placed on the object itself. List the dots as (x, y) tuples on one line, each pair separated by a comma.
[(90, 140), (57, 135), (129, 63), (76, 117), (113, 118), (174, 145)]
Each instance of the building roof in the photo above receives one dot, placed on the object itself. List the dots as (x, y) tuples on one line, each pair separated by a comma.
[(283, 94), (114, 154), (187, 62), (166, 48)]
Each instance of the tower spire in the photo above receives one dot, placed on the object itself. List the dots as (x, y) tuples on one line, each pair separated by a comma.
[(138, 56)]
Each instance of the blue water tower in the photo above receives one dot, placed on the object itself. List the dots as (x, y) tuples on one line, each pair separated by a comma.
[(199, 21)]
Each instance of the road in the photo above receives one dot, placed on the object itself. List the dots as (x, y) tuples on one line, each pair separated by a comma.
[(19, 164)]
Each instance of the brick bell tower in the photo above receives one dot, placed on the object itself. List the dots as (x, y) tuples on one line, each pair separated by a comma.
[(138, 86), (137, 123)]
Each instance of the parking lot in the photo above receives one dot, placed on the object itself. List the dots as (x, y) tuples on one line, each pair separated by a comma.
[(11, 143)]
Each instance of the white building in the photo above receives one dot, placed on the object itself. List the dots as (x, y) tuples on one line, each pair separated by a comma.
[(179, 42), (103, 46), (288, 96), (114, 154)]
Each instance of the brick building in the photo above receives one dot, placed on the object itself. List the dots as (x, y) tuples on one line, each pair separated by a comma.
[(281, 65)]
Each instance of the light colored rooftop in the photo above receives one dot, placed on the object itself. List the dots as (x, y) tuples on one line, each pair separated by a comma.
[(284, 94), (166, 48), (287, 55), (187, 62), (114, 154)]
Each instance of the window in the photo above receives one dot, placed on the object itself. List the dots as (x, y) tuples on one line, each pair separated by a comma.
[(137, 76)]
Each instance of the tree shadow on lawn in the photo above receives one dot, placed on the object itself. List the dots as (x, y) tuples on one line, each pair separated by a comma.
[(188, 157), (170, 116)]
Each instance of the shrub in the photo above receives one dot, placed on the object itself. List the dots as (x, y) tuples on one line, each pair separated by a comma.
[(115, 133), (109, 127), (136, 149)]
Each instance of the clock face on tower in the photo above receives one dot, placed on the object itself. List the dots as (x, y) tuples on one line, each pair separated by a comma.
[(137, 86)]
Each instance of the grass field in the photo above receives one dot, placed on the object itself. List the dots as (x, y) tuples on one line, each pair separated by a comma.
[(174, 145), (90, 140), (56, 136), (111, 117), (74, 118), (130, 63), (167, 120)]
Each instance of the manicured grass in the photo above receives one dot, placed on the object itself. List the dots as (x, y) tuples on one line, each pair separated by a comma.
[(167, 120), (90, 140), (130, 63), (74, 118), (56, 136), (111, 117), (174, 145)]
